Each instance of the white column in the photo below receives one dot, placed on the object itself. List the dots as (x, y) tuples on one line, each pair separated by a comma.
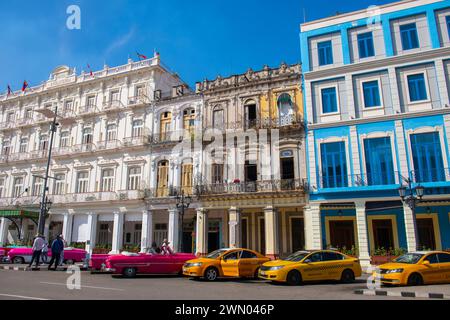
[(117, 238), (234, 222), (174, 229), (401, 146), (350, 102), (201, 233), (92, 229), (4, 224), (354, 157), (67, 227), (410, 229), (271, 231), (313, 227), (361, 228), (147, 230), (440, 75)]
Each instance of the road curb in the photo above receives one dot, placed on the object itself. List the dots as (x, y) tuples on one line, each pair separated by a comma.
[(402, 294), (26, 268)]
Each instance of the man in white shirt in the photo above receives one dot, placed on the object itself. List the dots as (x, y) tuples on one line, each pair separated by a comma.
[(38, 243)]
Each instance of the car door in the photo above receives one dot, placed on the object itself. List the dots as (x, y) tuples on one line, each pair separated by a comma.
[(430, 272), (444, 267), (331, 267), (230, 264), (312, 270), (248, 263)]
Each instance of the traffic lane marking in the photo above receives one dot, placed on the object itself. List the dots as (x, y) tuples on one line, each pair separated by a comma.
[(82, 286), (21, 297)]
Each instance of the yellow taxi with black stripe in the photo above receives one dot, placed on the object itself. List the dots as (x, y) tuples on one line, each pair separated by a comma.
[(317, 265), (416, 268)]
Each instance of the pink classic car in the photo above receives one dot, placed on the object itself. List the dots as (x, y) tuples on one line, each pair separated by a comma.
[(97, 262), (23, 255), (130, 264)]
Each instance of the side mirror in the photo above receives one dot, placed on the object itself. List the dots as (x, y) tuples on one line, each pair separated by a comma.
[(426, 263)]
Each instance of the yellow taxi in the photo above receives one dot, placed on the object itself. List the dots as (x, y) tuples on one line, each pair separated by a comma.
[(312, 266), (239, 263), (416, 268)]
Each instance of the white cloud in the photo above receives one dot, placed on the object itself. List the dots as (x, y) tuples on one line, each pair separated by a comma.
[(120, 41)]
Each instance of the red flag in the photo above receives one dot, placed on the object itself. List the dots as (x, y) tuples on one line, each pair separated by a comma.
[(90, 71), (9, 90), (141, 56), (24, 86)]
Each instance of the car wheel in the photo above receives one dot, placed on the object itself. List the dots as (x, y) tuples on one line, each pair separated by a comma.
[(415, 279), (129, 272), (18, 260), (294, 278), (211, 274), (347, 276)]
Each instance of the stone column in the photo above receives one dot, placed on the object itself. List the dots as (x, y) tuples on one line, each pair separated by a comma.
[(361, 228), (147, 230), (117, 238), (271, 230), (4, 224), (313, 227), (234, 222), (201, 233), (410, 229), (92, 229), (174, 229), (67, 227)]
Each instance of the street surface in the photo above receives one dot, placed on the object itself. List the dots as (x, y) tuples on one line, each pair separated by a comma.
[(35, 285)]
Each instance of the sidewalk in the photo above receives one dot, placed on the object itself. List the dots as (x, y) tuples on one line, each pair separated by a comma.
[(42, 267)]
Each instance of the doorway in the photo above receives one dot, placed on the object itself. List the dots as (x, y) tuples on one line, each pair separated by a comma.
[(383, 234), (342, 233), (425, 230), (297, 234), (287, 173)]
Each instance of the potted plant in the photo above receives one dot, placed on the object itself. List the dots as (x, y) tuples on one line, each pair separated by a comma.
[(382, 255), (102, 249)]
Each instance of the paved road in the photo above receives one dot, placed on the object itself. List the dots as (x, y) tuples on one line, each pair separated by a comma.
[(52, 285)]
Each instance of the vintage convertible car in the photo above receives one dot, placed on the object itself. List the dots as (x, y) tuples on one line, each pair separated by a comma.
[(97, 262), (130, 264), (24, 255)]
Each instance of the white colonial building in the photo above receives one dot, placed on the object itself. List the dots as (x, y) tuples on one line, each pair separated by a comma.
[(112, 154)]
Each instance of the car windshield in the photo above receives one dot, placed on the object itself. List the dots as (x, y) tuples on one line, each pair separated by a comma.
[(297, 256), (215, 254), (409, 258)]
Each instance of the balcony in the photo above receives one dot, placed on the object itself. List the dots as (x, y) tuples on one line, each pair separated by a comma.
[(138, 101), (124, 195), (62, 151), (20, 156), (359, 180), (109, 145), (37, 154), (113, 105), (83, 197), (8, 125), (25, 122), (167, 137), (167, 192), (88, 110), (136, 141), (83, 148), (20, 201), (252, 187), (430, 175)]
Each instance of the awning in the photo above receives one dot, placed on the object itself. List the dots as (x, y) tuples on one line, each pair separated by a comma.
[(19, 214)]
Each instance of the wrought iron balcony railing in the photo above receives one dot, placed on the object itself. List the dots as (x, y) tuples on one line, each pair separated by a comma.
[(430, 175), (113, 105), (109, 144), (252, 187), (359, 180)]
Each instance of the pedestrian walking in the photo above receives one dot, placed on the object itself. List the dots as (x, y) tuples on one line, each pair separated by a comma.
[(44, 254), (61, 259), (38, 243), (57, 249)]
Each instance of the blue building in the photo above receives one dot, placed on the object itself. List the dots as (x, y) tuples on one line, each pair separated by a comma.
[(376, 87)]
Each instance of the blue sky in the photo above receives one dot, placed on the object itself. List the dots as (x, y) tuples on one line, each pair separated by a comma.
[(198, 39)]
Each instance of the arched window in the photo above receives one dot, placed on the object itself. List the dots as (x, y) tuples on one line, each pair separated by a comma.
[(285, 109), (163, 179)]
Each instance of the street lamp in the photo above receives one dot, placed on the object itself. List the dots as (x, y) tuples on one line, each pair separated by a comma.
[(412, 196), (45, 203), (183, 202)]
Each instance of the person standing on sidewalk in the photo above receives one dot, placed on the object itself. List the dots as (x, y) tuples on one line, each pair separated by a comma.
[(61, 259), (57, 248), (45, 251), (38, 243)]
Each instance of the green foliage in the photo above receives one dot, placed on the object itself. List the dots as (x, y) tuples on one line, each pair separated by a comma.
[(131, 248)]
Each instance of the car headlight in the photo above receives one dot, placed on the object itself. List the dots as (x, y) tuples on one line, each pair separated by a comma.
[(394, 271), (276, 268), (195, 264)]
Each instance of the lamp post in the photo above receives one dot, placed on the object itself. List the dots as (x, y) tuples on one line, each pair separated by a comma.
[(412, 196), (183, 202)]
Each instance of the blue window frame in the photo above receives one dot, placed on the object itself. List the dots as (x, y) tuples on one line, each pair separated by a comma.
[(379, 164), (416, 87), (329, 100), (427, 157), (408, 34), (325, 53), (371, 93), (365, 45), (334, 165), (447, 20)]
